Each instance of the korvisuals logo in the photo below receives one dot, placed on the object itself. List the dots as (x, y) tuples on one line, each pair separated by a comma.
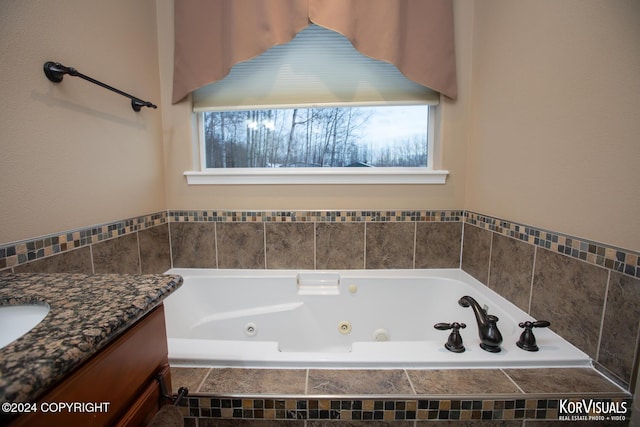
[(593, 409)]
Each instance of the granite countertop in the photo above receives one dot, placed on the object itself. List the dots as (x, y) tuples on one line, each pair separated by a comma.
[(86, 313)]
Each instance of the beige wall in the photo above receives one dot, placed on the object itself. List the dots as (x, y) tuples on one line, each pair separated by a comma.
[(179, 151), (74, 154), (544, 132), (555, 124)]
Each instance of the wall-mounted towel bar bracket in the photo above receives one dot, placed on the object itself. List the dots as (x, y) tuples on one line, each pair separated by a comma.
[(55, 72)]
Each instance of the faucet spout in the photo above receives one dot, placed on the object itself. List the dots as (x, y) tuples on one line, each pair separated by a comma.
[(490, 336)]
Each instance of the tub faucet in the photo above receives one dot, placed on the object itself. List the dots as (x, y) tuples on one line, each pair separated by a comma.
[(490, 336)]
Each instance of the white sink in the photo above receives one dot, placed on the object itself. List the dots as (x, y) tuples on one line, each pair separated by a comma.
[(17, 320)]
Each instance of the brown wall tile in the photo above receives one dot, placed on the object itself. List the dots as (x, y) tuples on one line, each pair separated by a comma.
[(339, 246), (618, 344), (390, 245), (461, 381), (290, 245), (353, 381), (187, 377), (254, 381), (438, 244), (119, 255), (154, 249), (570, 294), (561, 380), (476, 247), (75, 261), (193, 245), (512, 269), (240, 245)]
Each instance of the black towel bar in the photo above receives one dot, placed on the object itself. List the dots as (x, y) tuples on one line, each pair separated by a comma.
[(55, 71)]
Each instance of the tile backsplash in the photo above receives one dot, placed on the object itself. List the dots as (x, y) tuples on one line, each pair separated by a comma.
[(589, 291), (620, 260), (316, 239), (94, 249)]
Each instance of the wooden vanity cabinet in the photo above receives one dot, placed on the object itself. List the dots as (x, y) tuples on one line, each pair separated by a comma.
[(122, 374)]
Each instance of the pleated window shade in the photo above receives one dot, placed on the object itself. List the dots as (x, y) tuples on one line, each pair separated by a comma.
[(319, 67)]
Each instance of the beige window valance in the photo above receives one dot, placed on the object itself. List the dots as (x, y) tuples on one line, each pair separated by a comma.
[(213, 35)]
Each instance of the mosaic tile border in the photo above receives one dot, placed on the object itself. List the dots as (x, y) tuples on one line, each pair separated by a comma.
[(17, 253), (612, 258), (316, 216), (376, 409), (616, 259)]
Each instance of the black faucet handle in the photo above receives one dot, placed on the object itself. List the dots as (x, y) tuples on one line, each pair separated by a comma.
[(447, 326), (454, 343), (536, 324), (527, 340)]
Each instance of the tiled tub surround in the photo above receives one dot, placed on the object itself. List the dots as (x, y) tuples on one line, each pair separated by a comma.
[(396, 397), (86, 313), (589, 291), (316, 240), (341, 240), (588, 298), (132, 246)]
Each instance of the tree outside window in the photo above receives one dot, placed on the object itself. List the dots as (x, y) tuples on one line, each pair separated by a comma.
[(383, 136)]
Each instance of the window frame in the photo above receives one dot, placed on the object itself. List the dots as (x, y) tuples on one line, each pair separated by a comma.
[(318, 176)]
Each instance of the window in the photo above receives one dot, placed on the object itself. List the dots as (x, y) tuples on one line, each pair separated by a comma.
[(395, 136), (315, 111)]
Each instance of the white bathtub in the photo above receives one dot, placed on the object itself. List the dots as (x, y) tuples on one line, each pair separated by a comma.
[(350, 318)]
